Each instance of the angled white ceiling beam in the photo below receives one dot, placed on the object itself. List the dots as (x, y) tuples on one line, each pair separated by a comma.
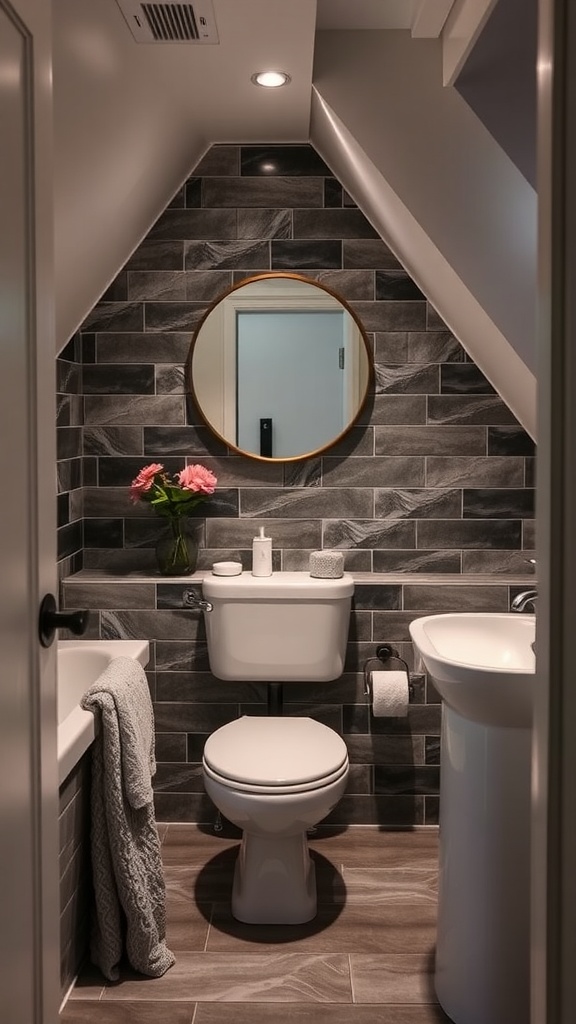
[(430, 17), (463, 26), (448, 293)]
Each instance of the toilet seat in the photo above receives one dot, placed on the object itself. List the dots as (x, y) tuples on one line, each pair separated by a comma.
[(275, 755), (255, 788)]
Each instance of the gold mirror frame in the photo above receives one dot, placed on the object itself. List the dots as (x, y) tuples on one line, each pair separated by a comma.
[(368, 370)]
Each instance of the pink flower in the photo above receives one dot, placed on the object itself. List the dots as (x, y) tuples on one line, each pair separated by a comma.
[(197, 478), (172, 496), (144, 480)]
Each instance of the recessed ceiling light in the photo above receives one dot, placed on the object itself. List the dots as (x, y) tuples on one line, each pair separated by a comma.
[(271, 79)]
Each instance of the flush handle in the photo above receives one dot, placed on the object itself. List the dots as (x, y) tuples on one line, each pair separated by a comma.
[(50, 620)]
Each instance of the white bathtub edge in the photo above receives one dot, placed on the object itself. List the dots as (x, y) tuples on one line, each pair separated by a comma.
[(76, 732), (137, 649)]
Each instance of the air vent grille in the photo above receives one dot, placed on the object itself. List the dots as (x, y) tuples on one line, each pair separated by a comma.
[(170, 21)]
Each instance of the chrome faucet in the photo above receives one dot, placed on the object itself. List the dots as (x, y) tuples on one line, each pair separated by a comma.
[(190, 599), (521, 601)]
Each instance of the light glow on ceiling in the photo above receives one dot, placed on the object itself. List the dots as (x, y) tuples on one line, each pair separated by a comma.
[(271, 79)]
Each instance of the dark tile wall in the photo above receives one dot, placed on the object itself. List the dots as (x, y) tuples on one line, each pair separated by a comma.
[(437, 478), (70, 461), (74, 825), (394, 776)]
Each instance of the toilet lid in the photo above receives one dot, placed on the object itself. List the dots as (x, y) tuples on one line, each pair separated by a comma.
[(275, 751)]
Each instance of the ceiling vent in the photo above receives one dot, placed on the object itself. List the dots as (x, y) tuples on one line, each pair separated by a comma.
[(170, 21)]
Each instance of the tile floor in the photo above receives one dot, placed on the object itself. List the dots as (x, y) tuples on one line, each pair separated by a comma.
[(367, 958)]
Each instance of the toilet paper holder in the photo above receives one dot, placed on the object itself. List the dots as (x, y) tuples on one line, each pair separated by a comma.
[(384, 654)]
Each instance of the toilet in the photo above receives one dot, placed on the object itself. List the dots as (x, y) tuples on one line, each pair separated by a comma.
[(276, 777)]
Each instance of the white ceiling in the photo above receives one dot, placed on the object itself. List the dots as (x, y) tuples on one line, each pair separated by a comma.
[(213, 81), (131, 119), (366, 14)]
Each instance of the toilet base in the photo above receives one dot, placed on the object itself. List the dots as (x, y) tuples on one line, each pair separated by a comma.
[(274, 880)]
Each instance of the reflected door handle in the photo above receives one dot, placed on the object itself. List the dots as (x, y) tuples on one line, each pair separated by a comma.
[(50, 620), (266, 437)]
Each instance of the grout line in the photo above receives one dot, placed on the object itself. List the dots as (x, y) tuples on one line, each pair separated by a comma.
[(205, 950), (351, 978)]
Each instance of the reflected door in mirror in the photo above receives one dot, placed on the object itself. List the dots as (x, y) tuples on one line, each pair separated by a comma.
[(290, 370)]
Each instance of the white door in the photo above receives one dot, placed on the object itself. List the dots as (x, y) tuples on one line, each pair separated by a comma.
[(28, 788)]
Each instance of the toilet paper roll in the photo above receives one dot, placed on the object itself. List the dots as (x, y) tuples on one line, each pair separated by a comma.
[(390, 694)]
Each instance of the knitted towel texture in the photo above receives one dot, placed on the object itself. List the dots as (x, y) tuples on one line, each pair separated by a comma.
[(129, 890)]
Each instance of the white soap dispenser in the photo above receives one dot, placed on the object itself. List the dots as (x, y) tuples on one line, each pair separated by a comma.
[(262, 555)]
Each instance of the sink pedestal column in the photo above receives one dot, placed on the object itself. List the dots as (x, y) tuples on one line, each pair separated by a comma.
[(483, 943)]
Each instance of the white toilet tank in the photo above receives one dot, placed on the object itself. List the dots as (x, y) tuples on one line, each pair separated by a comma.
[(288, 627)]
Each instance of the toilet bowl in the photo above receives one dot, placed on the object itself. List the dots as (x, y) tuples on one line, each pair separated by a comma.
[(274, 778)]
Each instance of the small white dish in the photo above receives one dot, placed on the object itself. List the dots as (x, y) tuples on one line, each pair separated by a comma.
[(227, 568)]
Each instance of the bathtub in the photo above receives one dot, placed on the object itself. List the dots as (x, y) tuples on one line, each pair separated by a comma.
[(80, 662)]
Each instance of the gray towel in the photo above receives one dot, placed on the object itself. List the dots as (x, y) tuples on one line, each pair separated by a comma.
[(129, 890), (125, 683)]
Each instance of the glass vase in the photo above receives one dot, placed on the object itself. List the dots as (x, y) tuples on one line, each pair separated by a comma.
[(177, 549)]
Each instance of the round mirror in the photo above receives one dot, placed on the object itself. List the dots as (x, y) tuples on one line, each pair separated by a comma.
[(279, 367)]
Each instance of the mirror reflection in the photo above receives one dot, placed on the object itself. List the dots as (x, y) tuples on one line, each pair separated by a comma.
[(279, 367)]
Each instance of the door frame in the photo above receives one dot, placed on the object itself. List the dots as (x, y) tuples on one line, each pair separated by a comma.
[(554, 759), (32, 875)]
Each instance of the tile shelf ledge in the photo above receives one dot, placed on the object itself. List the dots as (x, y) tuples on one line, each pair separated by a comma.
[(361, 578)]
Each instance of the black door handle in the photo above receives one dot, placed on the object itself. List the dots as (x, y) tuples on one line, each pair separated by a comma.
[(50, 620)]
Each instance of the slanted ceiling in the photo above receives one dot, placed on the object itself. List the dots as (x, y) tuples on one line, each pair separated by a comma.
[(132, 121)]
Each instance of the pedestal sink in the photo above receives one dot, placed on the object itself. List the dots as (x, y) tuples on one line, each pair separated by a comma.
[(483, 667)]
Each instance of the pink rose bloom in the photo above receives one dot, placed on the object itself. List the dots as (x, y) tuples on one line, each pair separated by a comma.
[(197, 478), (144, 480)]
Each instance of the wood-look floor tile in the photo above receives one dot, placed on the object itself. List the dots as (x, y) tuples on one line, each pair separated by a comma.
[(90, 984), (400, 978), (244, 977), (390, 885), (190, 845), (327, 870), (369, 846), (212, 880), (315, 1013), (377, 908), (187, 923), (355, 928), (156, 1012), (210, 883)]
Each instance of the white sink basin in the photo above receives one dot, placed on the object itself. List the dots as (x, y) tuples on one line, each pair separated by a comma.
[(484, 669), (482, 664)]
